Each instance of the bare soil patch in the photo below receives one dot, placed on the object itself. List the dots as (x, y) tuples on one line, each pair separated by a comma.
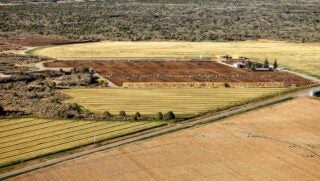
[(119, 72), (37, 41), (275, 143)]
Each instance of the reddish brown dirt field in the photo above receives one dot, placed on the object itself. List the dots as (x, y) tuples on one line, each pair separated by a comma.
[(179, 71), (281, 142), (37, 41)]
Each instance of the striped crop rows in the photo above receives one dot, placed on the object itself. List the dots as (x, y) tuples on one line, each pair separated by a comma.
[(151, 101), (27, 138)]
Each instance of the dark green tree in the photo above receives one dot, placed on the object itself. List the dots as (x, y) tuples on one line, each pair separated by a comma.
[(106, 114), (122, 114), (275, 64), (159, 116), (137, 116), (169, 115), (266, 63)]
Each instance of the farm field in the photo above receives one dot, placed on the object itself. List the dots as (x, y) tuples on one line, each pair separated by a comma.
[(182, 101), (119, 72), (283, 144), (27, 138), (303, 57)]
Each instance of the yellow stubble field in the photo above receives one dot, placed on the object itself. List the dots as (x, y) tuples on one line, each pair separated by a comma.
[(303, 57), (184, 101)]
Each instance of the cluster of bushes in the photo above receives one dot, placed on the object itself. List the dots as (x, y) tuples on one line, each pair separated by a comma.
[(137, 116), (188, 20), (73, 110), (82, 76)]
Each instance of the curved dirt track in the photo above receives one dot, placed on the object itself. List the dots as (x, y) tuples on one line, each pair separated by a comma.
[(281, 142)]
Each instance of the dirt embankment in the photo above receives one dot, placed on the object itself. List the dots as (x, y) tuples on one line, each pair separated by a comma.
[(119, 72)]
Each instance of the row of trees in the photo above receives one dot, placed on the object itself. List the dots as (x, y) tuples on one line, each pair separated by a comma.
[(159, 116), (73, 110), (254, 65)]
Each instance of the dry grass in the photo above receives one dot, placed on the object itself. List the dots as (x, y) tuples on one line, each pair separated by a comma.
[(281, 142), (297, 56), (150, 101), (26, 138)]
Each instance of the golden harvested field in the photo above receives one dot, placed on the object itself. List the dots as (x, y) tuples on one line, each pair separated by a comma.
[(27, 138), (304, 57), (281, 142), (150, 101)]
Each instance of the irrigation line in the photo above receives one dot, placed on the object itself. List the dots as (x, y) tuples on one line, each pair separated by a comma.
[(15, 123), (37, 129), (27, 126)]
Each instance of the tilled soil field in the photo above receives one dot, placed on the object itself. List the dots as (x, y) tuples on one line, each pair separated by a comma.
[(281, 142), (119, 72)]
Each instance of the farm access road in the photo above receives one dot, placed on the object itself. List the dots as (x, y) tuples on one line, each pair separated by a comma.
[(166, 130), (303, 75)]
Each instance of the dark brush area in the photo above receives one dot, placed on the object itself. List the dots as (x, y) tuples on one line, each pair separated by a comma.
[(188, 20)]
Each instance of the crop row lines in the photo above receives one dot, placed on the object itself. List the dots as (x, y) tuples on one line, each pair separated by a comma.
[(58, 142)]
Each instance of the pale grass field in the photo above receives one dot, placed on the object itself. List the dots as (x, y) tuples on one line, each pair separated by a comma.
[(150, 101), (297, 56), (26, 138)]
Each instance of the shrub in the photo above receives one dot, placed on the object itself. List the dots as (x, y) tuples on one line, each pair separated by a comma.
[(266, 64), (275, 64), (74, 107), (70, 111), (52, 85), (106, 114), (138, 115), (159, 116), (169, 115), (122, 114), (55, 100), (64, 113), (2, 112)]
